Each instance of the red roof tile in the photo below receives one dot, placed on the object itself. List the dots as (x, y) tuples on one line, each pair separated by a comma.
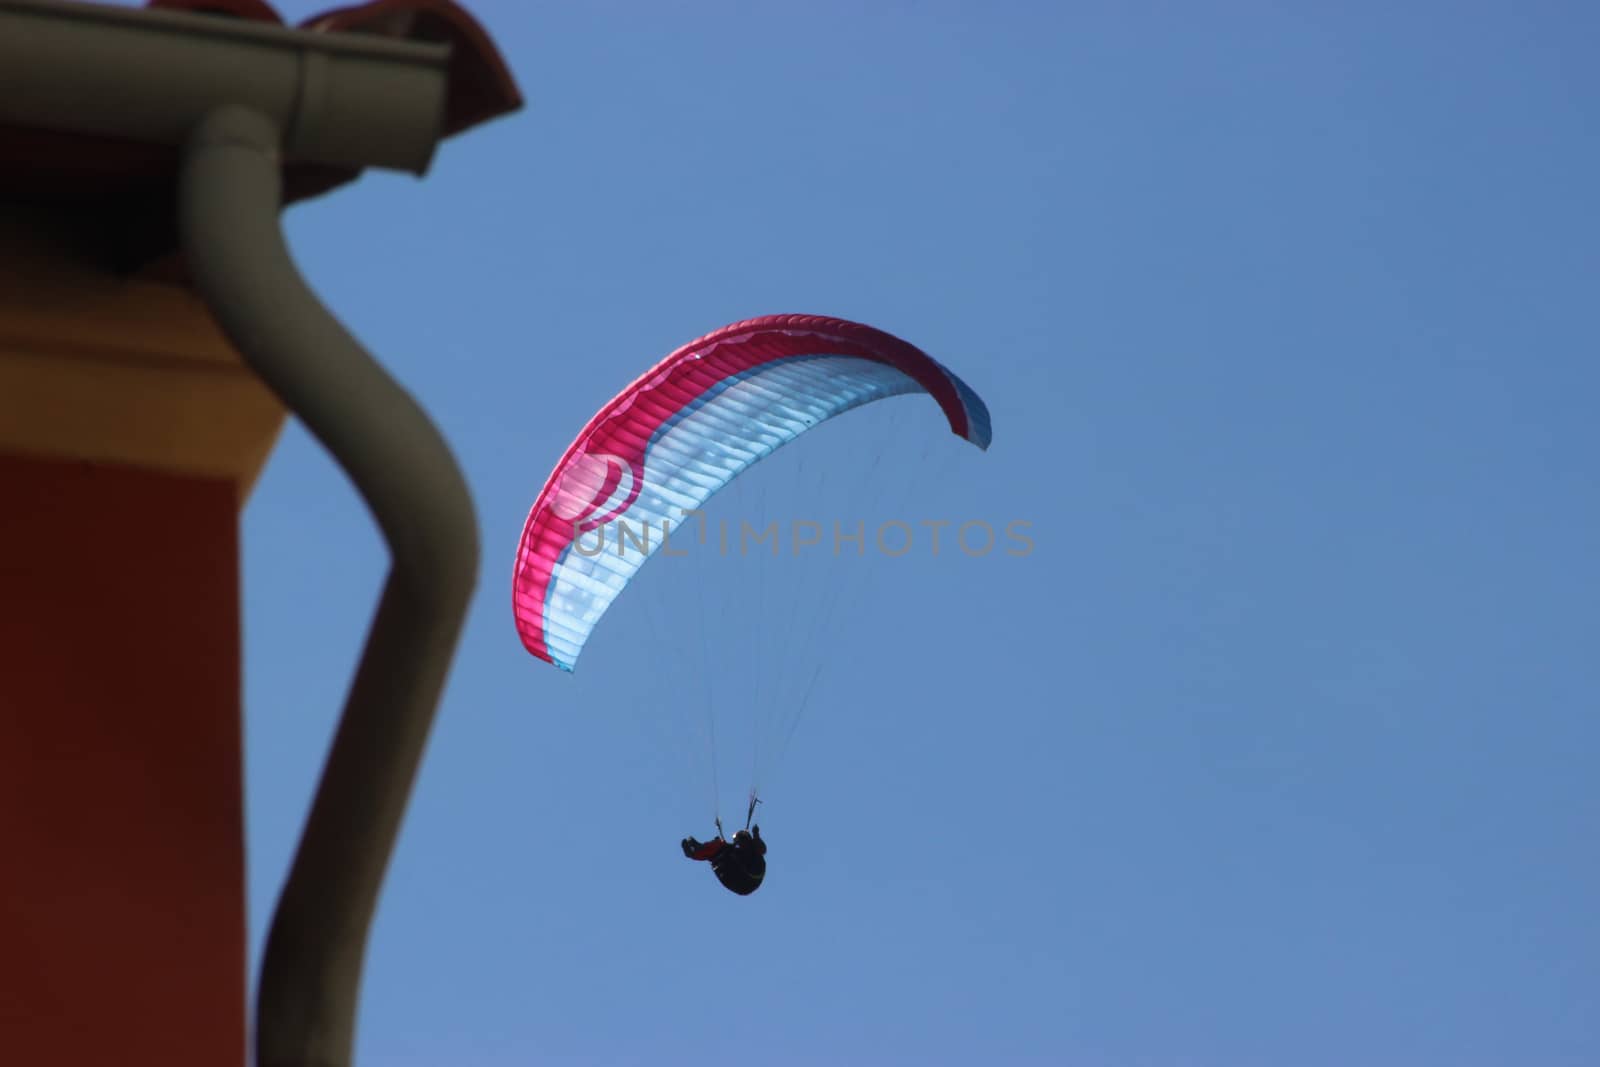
[(243, 9)]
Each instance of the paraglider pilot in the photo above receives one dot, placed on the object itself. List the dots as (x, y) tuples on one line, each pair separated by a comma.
[(739, 865)]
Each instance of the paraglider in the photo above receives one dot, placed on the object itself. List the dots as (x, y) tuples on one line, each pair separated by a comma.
[(740, 865), (657, 451)]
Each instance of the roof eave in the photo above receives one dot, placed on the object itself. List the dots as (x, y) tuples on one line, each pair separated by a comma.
[(341, 100)]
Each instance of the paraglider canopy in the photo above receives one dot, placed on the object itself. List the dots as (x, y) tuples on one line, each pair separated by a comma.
[(684, 429)]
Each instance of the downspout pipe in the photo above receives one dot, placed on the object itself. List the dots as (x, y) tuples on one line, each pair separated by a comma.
[(229, 196)]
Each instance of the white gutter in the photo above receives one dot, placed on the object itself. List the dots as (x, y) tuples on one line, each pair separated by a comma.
[(340, 99)]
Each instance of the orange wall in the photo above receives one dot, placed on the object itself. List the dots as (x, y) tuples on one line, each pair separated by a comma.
[(122, 907)]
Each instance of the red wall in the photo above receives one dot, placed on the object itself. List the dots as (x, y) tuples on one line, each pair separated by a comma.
[(122, 907)]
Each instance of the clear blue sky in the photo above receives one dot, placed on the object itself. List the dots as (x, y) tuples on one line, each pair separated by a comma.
[(1278, 749)]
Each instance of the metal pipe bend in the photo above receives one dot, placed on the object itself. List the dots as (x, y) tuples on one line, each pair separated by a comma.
[(229, 201)]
